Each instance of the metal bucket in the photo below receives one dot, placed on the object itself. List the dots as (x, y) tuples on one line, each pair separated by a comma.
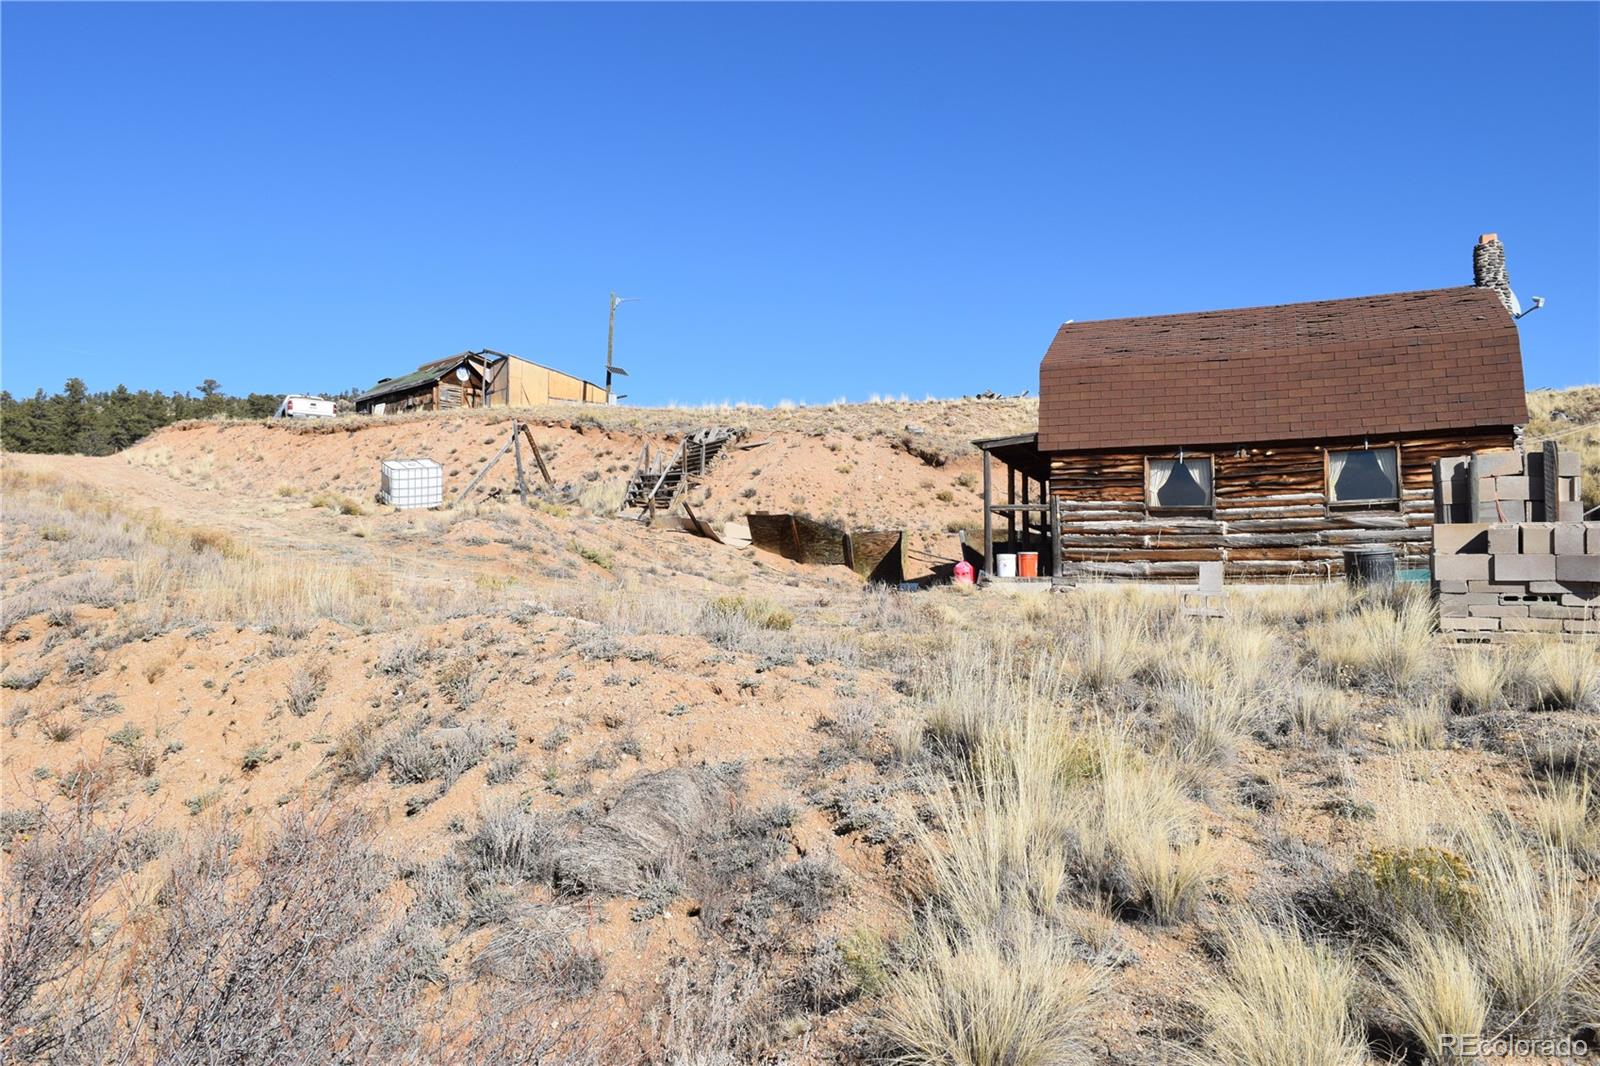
[(1369, 567)]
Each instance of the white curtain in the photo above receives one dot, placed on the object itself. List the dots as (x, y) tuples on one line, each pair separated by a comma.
[(1160, 474), (1388, 463), (1385, 459), (1336, 461), (1161, 471)]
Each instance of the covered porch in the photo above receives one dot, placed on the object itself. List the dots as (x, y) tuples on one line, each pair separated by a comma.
[(1023, 510)]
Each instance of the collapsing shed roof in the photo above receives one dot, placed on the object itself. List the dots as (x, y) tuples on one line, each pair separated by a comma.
[(1411, 361), (427, 372)]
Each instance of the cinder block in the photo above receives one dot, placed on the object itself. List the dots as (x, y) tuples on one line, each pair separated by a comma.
[(1488, 514), (1571, 511), (1568, 489), (1591, 538), (1464, 625), (1578, 594), (1536, 538), (1549, 588), (1580, 627), (1499, 610), (1451, 587), (1509, 588), (1515, 487), (1461, 567), (1570, 464), (1494, 464), (1577, 568), (1531, 625), (1468, 538), (1568, 538), (1556, 610), (1523, 567), (1503, 539)]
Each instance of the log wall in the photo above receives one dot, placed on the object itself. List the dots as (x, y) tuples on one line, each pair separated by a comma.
[(1271, 518)]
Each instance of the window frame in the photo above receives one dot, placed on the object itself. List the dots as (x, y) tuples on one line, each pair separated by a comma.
[(1396, 503), (1209, 509)]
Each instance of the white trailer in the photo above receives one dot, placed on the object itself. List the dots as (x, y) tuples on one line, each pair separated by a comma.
[(304, 407)]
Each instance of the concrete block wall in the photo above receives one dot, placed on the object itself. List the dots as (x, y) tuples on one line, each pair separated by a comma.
[(1496, 579), (1507, 486)]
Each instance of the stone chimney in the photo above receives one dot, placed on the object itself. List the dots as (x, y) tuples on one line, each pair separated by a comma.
[(1489, 271)]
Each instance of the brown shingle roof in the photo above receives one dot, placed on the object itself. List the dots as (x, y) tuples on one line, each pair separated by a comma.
[(1409, 361)]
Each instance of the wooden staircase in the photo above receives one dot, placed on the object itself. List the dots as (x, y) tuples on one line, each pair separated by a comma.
[(655, 487)]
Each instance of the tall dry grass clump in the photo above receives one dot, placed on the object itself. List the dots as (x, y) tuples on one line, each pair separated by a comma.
[(1113, 630), (1282, 1000), (1007, 996), (1433, 987), (1478, 678), (1565, 674), (1378, 643), (992, 974), (1536, 934)]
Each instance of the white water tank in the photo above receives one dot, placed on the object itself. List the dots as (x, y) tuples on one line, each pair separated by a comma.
[(409, 483)]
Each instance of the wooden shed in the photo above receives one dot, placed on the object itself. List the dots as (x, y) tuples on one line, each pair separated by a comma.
[(483, 378), (1270, 439)]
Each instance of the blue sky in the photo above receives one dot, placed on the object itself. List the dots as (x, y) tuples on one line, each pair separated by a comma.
[(813, 201)]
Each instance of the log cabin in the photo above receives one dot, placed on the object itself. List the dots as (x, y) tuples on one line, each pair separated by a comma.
[(1270, 439), (483, 378)]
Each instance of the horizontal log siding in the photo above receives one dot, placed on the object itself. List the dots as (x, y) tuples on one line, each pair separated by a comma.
[(1271, 518)]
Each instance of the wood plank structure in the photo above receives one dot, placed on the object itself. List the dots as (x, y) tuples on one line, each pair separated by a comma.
[(482, 378), (1268, 439)]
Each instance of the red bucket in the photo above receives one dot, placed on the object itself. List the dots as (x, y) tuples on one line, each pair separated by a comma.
[(1027, 564)]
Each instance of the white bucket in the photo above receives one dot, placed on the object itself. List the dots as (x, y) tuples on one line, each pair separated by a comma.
[(1005, 565)]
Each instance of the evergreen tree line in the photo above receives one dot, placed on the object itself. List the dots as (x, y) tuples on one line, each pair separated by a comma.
[(78, 421)]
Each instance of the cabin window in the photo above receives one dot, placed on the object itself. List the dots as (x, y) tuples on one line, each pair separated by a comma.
[(1364, 476), (1179, 484)]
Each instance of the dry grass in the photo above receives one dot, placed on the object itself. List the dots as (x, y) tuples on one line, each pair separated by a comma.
[(1479, 677), (1012, 996), (1536, 935), (1378, 643), (1282, 1000), (1432, 985), (1566, 815), (1565, 675)]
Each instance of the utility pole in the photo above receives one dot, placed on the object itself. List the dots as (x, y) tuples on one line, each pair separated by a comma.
[(611, 336)]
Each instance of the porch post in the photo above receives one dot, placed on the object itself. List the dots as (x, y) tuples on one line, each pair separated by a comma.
[(988, 518)]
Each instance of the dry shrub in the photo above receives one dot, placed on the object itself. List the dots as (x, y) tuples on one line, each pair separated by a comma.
[(758, 612), (306, 687), (1282, 1000)]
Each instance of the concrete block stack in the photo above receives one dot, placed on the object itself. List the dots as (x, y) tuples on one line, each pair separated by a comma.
[(1494, 579), (1511, 553), (1508, 486)]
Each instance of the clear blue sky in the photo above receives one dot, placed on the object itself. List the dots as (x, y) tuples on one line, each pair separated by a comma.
[(814, 201)]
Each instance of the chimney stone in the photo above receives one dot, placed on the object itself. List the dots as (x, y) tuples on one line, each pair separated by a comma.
[(1489, 271)]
